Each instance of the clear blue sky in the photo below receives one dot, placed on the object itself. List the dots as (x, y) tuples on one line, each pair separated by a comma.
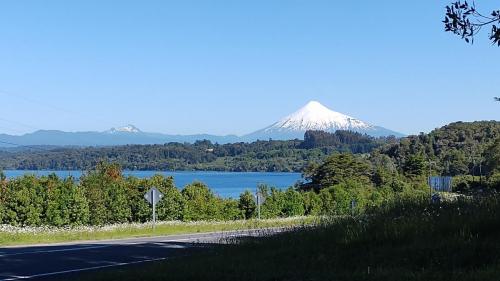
[(232, 67)]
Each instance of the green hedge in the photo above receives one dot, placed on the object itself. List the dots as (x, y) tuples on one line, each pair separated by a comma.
[(105, 196)]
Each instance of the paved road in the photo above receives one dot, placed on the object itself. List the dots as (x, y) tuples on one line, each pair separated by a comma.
[(48, 261)]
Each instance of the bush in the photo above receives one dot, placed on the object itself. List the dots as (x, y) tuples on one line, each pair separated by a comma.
[(201, 203), (66, 202), (247, 204), (24, 201), (171, 207), (494, 181), (312, 203), (107, 195), (231, 210), (273, 206), (293, 204)]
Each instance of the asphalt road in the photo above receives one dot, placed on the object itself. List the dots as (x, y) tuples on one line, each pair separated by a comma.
[(56, 260)]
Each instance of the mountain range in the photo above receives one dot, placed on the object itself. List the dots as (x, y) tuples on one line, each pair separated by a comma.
[(313, 116)]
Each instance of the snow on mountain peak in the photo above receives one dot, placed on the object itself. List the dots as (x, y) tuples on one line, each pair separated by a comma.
[(315, 116), (125, 129)]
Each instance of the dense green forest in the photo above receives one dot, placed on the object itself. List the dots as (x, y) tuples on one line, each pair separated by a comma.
[(272, 155), (467, 151), (470, 152)]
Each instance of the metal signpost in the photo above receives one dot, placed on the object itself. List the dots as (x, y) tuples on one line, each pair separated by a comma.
[(442, 184), (153, 196), (259, 197), (353, 206), (439, 184)]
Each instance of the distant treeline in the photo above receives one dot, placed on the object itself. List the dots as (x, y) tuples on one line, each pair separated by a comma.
[(270, 155)]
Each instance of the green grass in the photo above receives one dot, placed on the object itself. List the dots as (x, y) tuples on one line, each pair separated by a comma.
[(407, 241), (23, 236)]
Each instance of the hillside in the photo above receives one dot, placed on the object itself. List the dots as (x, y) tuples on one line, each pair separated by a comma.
[(271, 155), (455, 149)]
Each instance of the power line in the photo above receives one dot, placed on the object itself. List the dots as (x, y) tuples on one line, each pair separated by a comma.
[(27, 146), (19, 123), (10, 129), (51, 106)]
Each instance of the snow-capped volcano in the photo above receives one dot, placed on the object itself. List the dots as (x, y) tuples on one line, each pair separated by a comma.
[(125, 129), (315, 116)]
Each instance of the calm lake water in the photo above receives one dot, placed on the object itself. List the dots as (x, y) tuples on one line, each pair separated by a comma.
[(225, 184)]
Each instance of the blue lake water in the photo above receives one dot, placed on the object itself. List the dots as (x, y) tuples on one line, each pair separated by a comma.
[(224, 184)]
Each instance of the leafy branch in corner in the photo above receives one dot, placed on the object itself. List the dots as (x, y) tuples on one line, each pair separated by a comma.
[(464, 20)]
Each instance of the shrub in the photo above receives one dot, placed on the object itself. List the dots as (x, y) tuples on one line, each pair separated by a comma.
[(230, 210), (312, 203), (107, 195), (273, 206), (171, 207), (293, 204), (247, 204), (494, 181), (201, 203)]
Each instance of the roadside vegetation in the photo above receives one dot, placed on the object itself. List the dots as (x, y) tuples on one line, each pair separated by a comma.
[(14, 235), (404, 240)]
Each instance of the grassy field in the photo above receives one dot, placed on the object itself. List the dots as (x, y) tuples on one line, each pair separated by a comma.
[(407, 241), (10, 236)]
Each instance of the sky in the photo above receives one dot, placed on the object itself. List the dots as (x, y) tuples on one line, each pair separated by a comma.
[(233, 67)]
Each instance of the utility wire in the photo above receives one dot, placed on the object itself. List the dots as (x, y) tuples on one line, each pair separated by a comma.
[(27, 146), (19, 123), (51, 106)]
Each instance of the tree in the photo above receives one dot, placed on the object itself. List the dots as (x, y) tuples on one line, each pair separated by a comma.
[(293, 203), (3, 192), (273, 206), (336, 169), (466, 21), (171, 207), (201, 203), (312, 203), (24, 202), (492, 154), (415, 166), (247, 204), (230, 210), (106, 193)]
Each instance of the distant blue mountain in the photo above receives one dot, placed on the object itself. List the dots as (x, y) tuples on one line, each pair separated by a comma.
[(313, 116), (107, 138)]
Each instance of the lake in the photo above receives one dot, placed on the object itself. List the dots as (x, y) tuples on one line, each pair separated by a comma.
[(224, 184)]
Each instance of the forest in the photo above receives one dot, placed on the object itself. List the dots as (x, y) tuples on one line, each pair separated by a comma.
[(259, 156)]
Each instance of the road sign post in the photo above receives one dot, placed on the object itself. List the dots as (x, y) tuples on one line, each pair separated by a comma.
[(353, 207), (259, 198), (153, 196), (154, 209)]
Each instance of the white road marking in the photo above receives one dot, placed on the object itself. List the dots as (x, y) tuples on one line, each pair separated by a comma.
[(130, 243), (207, 235), (54, 251), (79, 269)]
